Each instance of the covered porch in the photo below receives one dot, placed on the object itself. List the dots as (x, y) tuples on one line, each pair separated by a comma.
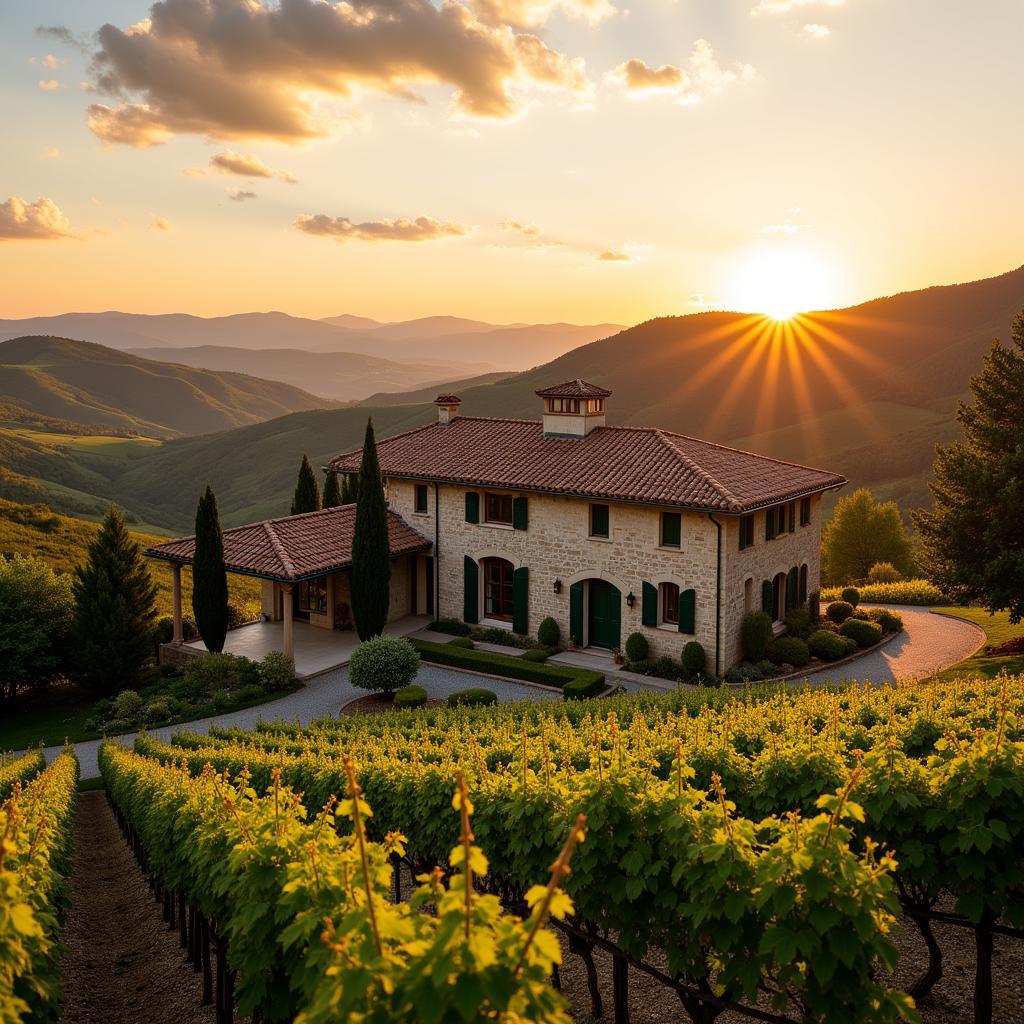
[(304, 562), (315, 650)]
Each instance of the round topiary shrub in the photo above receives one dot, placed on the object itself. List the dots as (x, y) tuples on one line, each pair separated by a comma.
[(637, 647), (410, 697), (548, 632), (789, 650), (884, 572), (866, 634), (889, 621), (383, 664), (276, 671), (536, 654), (695, 658), (464, 642), (851, 595), (828, 646), (839, 611), (756, 632), (476, 697)]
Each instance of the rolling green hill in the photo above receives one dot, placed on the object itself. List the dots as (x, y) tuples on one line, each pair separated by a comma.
[(98, 386)]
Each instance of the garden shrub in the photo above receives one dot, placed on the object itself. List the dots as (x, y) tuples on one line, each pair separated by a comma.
[(695, 658), (667, 668), (884, 572), (756, 632), (767, 668), (919, 592), (637, 647), (250, 693), (456, 627), (206, 675), (276, 671), (156, 711), (789, 650), (829, 646), (889, 621), (851, 595), (798, 622), (583, 688), (839, 611), (866, 634), (745, 673), (814, 605), (536, 654), (462, 642), (383, 664), (474, 697), (410, 697), (495, 635), (548, 632), (127, 705)]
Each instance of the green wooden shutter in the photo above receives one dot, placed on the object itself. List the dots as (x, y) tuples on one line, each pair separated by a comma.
[(688, 611), (472, 507), (792, 517), (769, 524), (671, 529), (471, 590), (649, 604), (598, 520), (520, 513), (521, 601), (576, 613), (767, 604), (792, 587)]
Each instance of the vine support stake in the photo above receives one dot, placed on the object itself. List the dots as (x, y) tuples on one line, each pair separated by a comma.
[(983, 972), (620, 988)]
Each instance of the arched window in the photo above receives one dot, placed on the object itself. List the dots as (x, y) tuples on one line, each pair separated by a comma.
[(802, 590), (779, 597), (668, 600), (498, 590)]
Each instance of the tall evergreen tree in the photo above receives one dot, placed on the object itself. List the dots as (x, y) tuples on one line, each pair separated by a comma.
[(307, 493), (350, 488), (115, 605), (972, 539), (209, 577), (371, 561), (332, 490)]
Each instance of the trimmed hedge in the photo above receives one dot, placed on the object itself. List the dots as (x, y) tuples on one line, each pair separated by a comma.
[(866, 634), (536, 654), (789, 650), (410, 697), (921, 592), (558, 676), (477, 696), (462, 641), (637, 647), (830, 646), (582, 688), (889, 621), (851, 595)]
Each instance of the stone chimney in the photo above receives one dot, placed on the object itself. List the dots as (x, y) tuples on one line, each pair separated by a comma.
[(573, 409), (447, 407)]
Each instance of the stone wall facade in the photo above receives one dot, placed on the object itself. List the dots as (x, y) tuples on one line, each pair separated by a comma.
[(557, 546)]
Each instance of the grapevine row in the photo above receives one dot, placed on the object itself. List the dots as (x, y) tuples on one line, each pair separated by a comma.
[(298, 905), (36, 825), (20, 770)]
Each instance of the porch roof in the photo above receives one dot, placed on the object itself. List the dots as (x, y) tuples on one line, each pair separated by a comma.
[(294, 548)]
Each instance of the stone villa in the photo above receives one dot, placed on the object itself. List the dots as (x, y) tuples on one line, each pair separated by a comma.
[(608, 530)]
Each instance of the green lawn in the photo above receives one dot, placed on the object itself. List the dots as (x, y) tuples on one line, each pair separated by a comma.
[(997, 631)]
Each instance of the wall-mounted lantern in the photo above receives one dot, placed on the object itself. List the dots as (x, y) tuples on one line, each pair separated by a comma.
[(630, 599), (558, 586)]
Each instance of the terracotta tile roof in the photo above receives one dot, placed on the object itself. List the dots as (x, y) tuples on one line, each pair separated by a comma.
[(577, 388), (294, 547), (447, 400), (638, 464)]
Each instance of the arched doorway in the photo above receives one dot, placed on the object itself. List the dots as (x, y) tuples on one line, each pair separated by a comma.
[(604, 615), (499, 590)]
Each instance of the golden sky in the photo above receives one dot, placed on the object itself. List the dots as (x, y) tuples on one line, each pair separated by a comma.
[(512, 160)]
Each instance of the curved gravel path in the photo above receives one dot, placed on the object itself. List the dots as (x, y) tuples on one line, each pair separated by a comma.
[(928, 644)]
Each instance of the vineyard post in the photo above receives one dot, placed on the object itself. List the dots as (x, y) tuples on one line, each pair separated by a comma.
[(620, 988), (983, 971)]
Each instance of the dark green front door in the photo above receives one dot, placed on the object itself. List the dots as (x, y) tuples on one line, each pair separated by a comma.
[(603, 616)]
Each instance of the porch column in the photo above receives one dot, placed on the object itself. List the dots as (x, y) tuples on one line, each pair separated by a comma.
[(179, 634), (289, 622)]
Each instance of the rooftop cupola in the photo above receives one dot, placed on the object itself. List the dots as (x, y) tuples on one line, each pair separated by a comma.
[(573, 409), (447, 407)]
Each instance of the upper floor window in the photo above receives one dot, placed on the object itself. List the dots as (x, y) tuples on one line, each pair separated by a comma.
[(498, 509), (598, 520), (805, 511), (669, 600), (421, 499), (781, 513), (671, 529), (746, 532)]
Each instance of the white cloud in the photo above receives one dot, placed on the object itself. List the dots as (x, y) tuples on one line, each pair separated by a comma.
[(613, 256), (43, 219), (812, 31), (786, 227), (239, 195), (519, 228), (245, 165), (785, 6), (422, 229), (534, 13), (702, 76), (49, 84)]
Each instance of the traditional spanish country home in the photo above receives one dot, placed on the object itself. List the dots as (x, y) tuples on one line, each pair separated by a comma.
[(606, 529), (503, 522)]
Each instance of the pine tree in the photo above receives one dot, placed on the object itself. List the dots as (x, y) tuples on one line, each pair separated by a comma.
[(307, 493), (209, 577), (332, 490), (972, 538), (371, 561), (350, 489), (114, 610)]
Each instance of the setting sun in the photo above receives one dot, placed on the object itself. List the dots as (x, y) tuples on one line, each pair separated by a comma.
[(781, 282)]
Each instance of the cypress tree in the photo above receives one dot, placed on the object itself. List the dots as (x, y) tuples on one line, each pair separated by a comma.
[(972, 539), (209, 577), (307, 494), (332, 490), (371, 562), (114, 610), (350, 489)]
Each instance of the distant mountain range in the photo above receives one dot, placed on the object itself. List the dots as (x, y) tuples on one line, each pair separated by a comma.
[(459, 347)]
